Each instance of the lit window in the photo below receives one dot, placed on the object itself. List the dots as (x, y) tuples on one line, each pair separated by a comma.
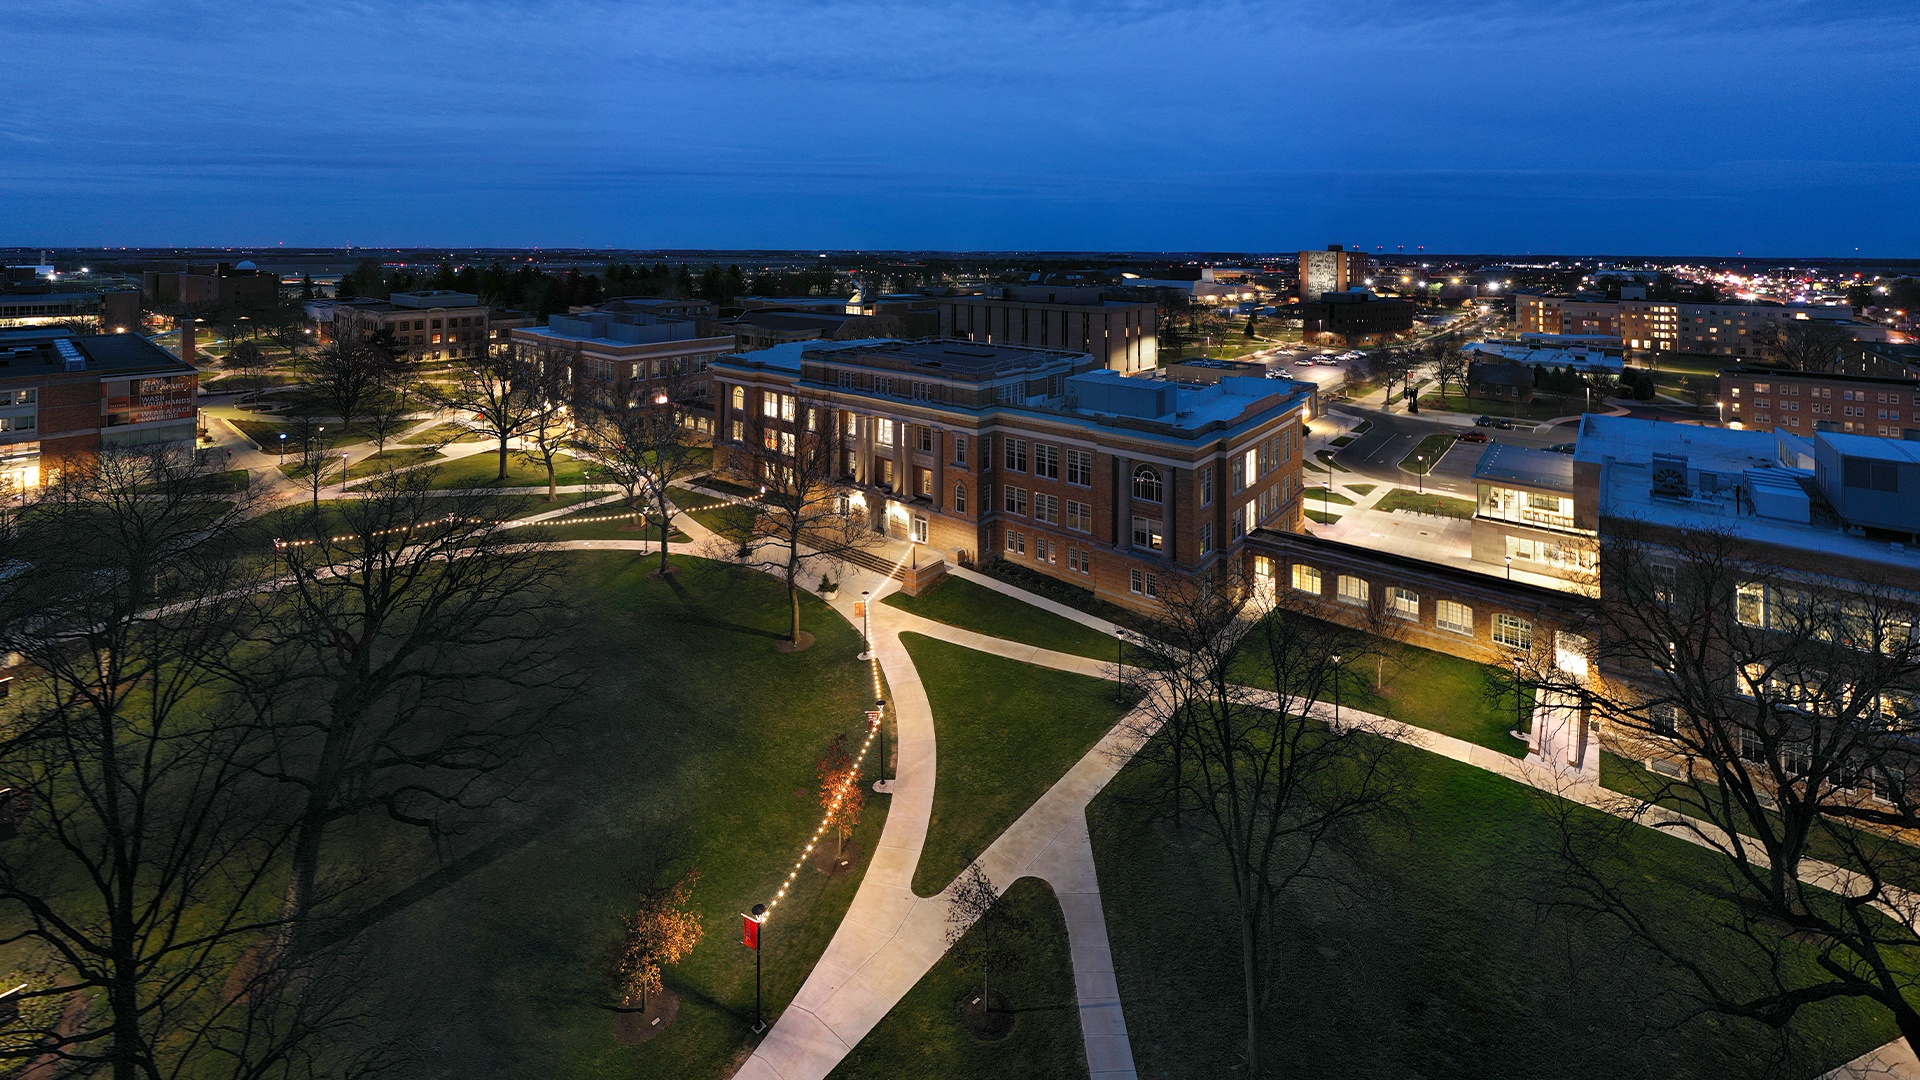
[(1146, 483), (1453, 617), (1404, 603), (1512, 631), (1306, 579), (960, 498), (1353, 590)]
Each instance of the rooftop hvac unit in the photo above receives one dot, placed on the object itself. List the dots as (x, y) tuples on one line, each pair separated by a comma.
[(1670, 476), (72, 356)]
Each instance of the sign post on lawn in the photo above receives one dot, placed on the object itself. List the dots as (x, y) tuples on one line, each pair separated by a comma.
[(877, 723), (750, 937)]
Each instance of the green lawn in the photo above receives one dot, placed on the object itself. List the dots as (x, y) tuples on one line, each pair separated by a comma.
[(1423, 503), (696, 741), (1060, 592), (923, 1036), (442, 434), (1341, 441), (1326, 459), (1362, 490), (1434, 956), (688, 499), (1423, 457), (566, 528), (969, 606), (482, 470), (1322, 495), (266, 435), (1006, 731), (1542, 408), (1421, 687), (1321, 516)]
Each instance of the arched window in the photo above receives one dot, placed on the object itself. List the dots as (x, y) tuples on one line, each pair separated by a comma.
[(740, 398), (960, 498), (1146, 483)]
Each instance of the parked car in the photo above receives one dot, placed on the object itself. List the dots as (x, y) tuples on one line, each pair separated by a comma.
[(1484, 421), (1473, 436), (1503, 425), (1303, 363)]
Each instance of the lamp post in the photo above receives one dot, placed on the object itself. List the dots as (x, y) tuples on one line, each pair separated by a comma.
[(1120, 666), (283, 448), (1519, 701), (866, 624), (1420, 471), (758, 919), (880, 729), (1336, 690), (343, 474)]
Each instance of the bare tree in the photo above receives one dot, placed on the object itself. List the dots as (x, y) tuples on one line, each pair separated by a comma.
[(549, 429), (1449, 363), (493, 395), (982, 931), (1780, 705), (1802, 344), (804, 518), (1259, 772), (643, 435), (146, 863), (349, 372), (1390, 366), (406, 668), (249, 364)]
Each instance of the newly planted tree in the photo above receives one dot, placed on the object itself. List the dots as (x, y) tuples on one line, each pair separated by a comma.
[(662, 930), (841, 795)]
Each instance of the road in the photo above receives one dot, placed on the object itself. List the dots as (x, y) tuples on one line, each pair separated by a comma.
[(1375, 455)]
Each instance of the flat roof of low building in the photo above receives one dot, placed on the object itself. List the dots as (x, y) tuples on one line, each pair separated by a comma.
[(946, 356), (1501, 463), (1904, 451), (38, 353), (1756, 371)]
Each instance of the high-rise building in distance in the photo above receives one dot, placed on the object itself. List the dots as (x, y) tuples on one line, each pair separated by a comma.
[(1333, 270)]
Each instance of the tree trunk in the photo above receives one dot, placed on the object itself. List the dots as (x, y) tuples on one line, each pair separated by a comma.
[(1250, 980), (503, 456), (793, 597), (666, 530), (553, 484)]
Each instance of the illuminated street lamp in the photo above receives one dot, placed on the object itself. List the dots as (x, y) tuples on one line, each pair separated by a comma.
[(1336, 690), (283, 448), (753, 925)]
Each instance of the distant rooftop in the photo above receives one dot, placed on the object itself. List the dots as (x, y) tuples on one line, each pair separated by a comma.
[(964, 360), (37, 352), (432, 298)]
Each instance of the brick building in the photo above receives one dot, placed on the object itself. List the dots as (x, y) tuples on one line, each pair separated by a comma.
[(1801, 403), (64, 397), (1653, 328), (215, 288), (1354, 317), (628, 350), (435, 324), (1121, 334), (1037, 456)]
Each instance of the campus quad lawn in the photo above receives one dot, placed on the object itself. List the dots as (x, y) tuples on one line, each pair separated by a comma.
[(970, 606), (1421, 687), (442, 434), (1437, 959), (1320, 516), (1542, 407), (1423, 503), (1005, 732), (923, 1036), (697, 740), (483, 469), (580, 525), (1322, 495)]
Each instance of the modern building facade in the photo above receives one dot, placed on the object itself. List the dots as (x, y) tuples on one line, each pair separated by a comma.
[(1524, 514), (1120, 334), (1333, 270), (1040, 457), (113, 311), (63, 397), (1801, 403)]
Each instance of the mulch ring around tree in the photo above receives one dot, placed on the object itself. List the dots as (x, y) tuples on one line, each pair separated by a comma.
[(988, 1021), (635, 1027), (802, 645), (847, 862)]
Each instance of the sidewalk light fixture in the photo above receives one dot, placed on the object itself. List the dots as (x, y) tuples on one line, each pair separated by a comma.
[(283, 448), (1335, 657)]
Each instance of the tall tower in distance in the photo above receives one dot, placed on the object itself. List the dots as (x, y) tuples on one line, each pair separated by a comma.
[(1333, 270)]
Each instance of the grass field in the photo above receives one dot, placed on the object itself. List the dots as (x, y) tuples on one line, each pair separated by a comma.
[(923, 1036), (1320, 516), (962, 603), (1006, 731), (696, 743), (1433, 952), (1323, 495), (1326, 458), (482, 470), (1422, 503), (443, 434), (1541, 408), (1362, 490), (1423, 457)]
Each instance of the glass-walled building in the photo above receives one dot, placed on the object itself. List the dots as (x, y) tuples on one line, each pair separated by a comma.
[(1525, 519)]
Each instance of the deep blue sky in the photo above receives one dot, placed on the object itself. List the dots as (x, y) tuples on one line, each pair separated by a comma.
[(1669, 126)]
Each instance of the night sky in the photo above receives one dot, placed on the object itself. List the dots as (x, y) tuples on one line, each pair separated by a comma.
[(1665, 127)]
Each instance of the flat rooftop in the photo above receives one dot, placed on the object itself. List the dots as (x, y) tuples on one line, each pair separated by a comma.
[(1504, 464), (40, 353), (965, 360)]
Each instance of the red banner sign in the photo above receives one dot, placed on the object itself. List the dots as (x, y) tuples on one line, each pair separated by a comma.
[(859, 609), (873, 719), (750, 931)]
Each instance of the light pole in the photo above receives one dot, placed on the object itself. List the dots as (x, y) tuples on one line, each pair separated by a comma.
[(343, 474), (866, 624), (1509, 568), (1420, 471), (1120, 666), (1336, 690), (283, 448), (880, 729), (759, 917)]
